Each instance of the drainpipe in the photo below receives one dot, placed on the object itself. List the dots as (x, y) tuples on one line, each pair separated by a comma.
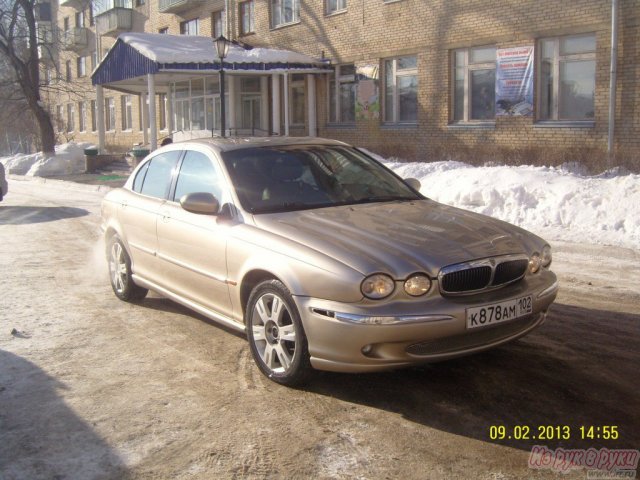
[(612, 76)]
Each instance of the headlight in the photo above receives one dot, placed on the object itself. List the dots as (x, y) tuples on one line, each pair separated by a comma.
[(534, 263), (377, 286), (417, 285), (546, 256)]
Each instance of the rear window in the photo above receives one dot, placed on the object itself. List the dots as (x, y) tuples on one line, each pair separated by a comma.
[(157, 178)]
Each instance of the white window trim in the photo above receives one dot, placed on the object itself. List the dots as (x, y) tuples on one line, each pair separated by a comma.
[(107, 112), (338, 79), (82, 116), (396, 98), (296, 18), (71, 118), (468, 68), (126, 101), (555, 72), (252, 21), (328, 11)]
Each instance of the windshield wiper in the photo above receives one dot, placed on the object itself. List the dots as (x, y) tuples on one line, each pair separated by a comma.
[(388, 198)]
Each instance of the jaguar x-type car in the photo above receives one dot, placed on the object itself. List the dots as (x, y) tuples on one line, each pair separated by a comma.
[(324, 257)]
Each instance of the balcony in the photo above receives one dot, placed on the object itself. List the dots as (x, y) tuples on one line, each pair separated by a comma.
[(114, 21), (176, 6), (75, 39), (77, 4)]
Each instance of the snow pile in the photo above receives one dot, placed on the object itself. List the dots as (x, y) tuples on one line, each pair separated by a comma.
[(69, 159), (557, 203)]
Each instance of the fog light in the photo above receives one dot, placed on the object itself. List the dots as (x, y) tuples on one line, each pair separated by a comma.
[(417, 285), (534, 263)]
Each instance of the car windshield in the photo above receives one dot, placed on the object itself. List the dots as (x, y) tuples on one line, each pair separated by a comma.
[(285, 178)]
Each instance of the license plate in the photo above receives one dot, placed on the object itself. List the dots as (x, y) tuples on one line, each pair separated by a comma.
[(499, 312)]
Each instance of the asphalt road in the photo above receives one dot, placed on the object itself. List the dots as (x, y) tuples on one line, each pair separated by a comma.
[(91, 387)]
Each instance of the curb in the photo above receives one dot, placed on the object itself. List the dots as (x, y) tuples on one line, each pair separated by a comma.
[(61, 183)]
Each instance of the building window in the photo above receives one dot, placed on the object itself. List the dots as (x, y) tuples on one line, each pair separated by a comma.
[(218, 21), (164, 30), (139, 3), (474, 91), (81, 64), (297, 105), (143, 108), (71, 113), (284, 12), (401, 90), (190, 27), (60, 118), (162, 111), (67, 66), (65, 23), (92, 21), (82, 116), (567, 78), (246, 17), (342, 95), (94, 118), (334, 6), (110, 111), (80, 19), (127, 116)]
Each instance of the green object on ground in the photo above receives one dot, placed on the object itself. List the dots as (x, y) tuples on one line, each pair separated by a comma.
[(91, 151)]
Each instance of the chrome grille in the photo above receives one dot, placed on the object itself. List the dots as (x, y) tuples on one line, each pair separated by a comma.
[(469, 279), (481, 275)]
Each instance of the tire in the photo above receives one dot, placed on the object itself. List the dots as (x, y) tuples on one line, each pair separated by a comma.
[(120, 272), (276, 336)]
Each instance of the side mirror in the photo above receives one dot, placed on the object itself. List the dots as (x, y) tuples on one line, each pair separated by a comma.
[(201, 203), (413, 183)]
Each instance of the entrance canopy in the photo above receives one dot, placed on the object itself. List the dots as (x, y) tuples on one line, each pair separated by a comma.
[(168, 57)]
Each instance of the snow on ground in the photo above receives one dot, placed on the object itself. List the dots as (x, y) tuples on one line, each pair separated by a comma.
[(558, 203), (69, 159)]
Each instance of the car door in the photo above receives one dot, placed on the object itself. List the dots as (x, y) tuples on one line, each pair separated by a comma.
[(138, 212), (192, 247)]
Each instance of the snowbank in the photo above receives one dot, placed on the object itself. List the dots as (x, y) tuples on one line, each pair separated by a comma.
[(557, 203), (69, 159)]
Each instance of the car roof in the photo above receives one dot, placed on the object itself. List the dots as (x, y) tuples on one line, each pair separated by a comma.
[(237, 143)]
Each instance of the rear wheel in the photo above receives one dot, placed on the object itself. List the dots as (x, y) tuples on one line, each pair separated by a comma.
[(120, 272), (276, 337)]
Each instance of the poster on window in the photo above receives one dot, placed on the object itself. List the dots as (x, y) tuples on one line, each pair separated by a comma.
[(514, 81), (367, 100)]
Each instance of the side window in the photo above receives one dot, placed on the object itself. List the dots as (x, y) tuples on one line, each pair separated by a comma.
[(158, 178), (198, 174), (137, 182)]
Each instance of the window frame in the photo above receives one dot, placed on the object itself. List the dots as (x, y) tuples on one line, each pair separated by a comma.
[(338, 79), (109, 108), (242, 15), (396, 97), (185, 27), (71, 117), (126, 104), (218, 16), (468, 99), (341, 6), (94, 118), (82, 116), (278, 5), (558, 59), (67, 66), (81, 67)]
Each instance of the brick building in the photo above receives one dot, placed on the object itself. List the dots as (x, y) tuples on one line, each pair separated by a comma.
[(417, 79)]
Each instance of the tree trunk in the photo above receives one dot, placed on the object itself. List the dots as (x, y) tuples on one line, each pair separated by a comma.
[(47, 134)]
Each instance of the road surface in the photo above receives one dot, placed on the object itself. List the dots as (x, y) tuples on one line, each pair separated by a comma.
[(91, 387)]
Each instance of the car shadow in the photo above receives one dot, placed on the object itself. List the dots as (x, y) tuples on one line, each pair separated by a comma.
[(579, 369), (40, 436), (25, 215), (163, 304)]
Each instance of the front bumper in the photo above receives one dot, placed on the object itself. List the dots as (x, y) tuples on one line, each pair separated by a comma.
[(363, 338)]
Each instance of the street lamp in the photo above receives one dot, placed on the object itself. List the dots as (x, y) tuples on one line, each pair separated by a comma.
[(222, 45)]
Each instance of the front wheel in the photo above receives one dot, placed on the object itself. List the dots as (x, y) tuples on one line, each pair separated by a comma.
[(120, 272), (276, 337)]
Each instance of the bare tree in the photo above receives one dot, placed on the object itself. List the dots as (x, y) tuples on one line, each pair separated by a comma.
[(19, 49)]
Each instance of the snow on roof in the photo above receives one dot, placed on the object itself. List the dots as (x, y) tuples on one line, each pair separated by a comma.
[(163, 48)]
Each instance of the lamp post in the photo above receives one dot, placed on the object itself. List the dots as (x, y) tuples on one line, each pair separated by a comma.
[(222, 45)]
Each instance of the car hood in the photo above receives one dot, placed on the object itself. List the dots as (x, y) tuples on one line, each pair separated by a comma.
[(399, 238)]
